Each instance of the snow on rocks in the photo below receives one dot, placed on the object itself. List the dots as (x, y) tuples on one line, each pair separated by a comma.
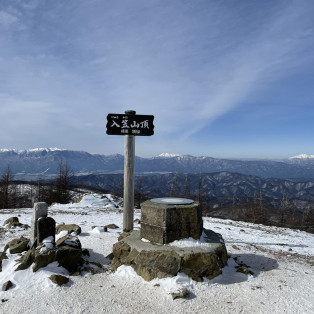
[(48, 244), (70, 228), (98, 229), (281, 259), (190, 242)]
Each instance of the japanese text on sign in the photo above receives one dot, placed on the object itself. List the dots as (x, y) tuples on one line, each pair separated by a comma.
[(121, 124)]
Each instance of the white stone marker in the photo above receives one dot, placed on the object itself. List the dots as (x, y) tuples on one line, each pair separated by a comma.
[(39, 210)]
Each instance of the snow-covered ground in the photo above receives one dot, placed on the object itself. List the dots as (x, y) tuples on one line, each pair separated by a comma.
[(282, 261)]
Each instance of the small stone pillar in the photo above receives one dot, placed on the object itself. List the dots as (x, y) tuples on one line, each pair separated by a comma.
[(40, 210), (164, 220)]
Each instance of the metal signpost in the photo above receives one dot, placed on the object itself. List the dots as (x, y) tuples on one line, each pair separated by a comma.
[(130, 125)]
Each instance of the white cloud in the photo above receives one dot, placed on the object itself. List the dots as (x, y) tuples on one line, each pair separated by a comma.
[(74, 62)]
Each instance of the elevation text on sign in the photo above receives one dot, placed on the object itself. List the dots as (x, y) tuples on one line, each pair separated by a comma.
[(124, 124)]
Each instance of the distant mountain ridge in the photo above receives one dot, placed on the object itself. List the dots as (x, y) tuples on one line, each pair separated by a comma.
[(45, 161), (215, 188), (6, 150)]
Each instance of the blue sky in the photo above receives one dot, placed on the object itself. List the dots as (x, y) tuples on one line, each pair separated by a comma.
[(232, 79)]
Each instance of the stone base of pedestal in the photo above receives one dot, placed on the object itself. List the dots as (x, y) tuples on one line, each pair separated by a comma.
[(159, 261)]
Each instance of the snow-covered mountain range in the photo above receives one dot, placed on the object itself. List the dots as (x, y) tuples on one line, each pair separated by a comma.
[(45, 161), (33, 150)]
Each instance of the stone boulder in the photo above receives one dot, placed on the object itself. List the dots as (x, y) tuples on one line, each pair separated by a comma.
[(152, 265), (59, 279), (13, 222), (26, 260), (7, 285), (147, 264), (199, 265), (182, 293), (67, 257), (111, 226), (69, 228), (69, 241), (2, 257), (159, 261), (67, 251), (43, 259), (17, 245)]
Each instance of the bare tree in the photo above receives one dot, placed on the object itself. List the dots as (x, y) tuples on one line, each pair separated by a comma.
[(186, 187), (308, 215), (286, 211), (233, 208), (118, 187), (139, 194), (200, 188), (40, 190), (63, 182), (7, 191), (174, 185), (257, 206)]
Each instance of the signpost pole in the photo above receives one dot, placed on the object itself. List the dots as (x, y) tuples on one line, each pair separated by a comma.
[(128, 193), (130, 125)]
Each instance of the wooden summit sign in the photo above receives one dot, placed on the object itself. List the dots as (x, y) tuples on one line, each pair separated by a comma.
[(130, 124)]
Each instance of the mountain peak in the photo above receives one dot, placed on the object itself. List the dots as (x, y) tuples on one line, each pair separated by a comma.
[(43, 149), (167, 155), (302, 156)]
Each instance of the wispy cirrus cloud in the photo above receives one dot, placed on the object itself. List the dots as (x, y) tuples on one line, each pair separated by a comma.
[(188, 63)]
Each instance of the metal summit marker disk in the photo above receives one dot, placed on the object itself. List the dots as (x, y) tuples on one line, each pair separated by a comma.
[(172, 201)]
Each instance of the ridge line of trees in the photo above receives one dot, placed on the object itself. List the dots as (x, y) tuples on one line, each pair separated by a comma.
[(257, 208), (58, 190)]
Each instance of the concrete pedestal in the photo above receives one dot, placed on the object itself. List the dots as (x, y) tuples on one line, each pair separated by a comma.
[(166, 220)]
